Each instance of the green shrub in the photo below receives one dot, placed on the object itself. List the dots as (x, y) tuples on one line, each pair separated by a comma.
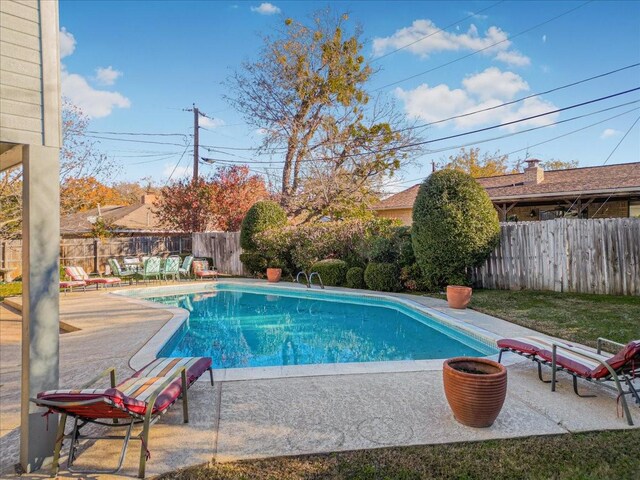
[(394, 248), (332, 271), (260, 217), (355, 278), (255, 263), (455, 227), (382, 276)]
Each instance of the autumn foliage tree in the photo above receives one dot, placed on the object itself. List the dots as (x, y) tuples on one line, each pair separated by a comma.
[(471, 162), (85, 193), (216, 203), (233, 191)]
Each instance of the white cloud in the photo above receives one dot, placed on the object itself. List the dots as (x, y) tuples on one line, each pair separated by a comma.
[(67, 43), (610, 132), (93, 103), (107, 76), (493, 42), (476, 15), (266, 9), (207, 122), (179, 171), (486, 89), (544, 38)]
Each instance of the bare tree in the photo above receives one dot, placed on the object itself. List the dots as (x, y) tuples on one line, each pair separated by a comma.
[(307, 94)]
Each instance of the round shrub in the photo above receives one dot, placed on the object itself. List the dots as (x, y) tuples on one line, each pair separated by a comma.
[(355, 278), (261, 216), (255, 263), (382, 276), (455, 227), (332, 271)]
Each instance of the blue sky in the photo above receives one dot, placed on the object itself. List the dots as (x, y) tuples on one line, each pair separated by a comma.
[(133, 67)]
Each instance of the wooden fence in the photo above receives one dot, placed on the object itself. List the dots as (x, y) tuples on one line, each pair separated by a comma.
[(566, 255), (92, 254), (223, 248)]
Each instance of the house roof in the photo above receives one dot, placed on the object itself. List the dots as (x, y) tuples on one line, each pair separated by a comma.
[(129, 218), (573, 181)]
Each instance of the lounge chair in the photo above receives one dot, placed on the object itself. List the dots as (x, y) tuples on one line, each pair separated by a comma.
[(141, 398), (171, 268), (201, 270), (185, 269), (579, 362), (79, 275), (69, 285), (151, 268), (122, 273)]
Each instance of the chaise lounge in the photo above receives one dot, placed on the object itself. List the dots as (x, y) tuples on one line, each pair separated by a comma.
[(579, 362), (141, 398), (78, 274)]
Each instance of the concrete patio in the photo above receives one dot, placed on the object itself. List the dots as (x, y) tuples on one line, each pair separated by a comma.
[(243, 419)]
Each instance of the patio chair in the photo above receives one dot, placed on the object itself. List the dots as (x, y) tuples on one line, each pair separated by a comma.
[(171, 268), (69, 285), (579, 362), (141, 398), (118, 271), (78, 274), (185, 269), (201, 270), (152, 268), (131, 263)]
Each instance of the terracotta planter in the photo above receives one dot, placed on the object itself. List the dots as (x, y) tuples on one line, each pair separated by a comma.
[(458, 297), (475, 389), (274, 274)]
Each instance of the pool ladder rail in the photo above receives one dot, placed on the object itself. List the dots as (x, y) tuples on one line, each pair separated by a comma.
[(309, 277)]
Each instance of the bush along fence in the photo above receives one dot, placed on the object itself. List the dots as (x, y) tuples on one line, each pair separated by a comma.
[(223, 248), (92, 253), (566, 255)]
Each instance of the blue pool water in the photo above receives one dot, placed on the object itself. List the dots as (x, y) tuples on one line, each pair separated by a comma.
[(241, 327)]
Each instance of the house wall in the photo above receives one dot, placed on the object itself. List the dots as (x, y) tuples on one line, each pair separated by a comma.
[(405, 215), (29, 74)]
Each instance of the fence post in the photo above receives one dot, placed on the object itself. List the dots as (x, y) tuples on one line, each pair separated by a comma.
[(95, 255)]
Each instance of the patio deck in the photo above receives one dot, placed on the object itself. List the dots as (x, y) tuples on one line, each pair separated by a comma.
[(285, 416)]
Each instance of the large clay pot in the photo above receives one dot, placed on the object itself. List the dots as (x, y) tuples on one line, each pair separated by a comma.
[(475, 389), (274, 274), (458, 296)]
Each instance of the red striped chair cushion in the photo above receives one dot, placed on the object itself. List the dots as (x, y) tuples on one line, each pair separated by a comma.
[(195, 366), (529, 345)]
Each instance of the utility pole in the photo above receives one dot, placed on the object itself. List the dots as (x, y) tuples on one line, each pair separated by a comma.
[(196, 142)]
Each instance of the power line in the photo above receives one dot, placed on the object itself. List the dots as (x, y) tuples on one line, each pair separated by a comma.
[(621, 140), (440, 30), (138, 134), (508, 38), (177, 164)]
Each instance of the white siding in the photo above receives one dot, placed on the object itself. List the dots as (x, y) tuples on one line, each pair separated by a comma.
[(21, 105)]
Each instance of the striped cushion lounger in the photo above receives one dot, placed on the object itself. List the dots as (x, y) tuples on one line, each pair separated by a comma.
[(580, 362), (201, 270), (141, 398), (78, 274), (71, 284)]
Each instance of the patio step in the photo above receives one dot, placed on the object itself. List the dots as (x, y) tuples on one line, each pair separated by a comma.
[(14, 302)]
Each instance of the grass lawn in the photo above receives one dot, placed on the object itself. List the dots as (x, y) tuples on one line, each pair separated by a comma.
[(10, 289), (594, 455), (571, 316)]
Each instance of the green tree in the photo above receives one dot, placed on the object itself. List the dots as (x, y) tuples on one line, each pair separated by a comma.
[(306, 92), (555, 164), (261, 216), (455, 227), (471, 162)]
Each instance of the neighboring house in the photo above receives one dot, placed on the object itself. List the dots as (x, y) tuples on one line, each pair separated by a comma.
[(30, 136), (535, 194), (138, 219)]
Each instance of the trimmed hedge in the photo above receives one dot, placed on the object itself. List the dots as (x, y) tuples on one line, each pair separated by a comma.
[(355, 278), (255, 263), (455, 227), (332, 271), (382, 276), (262, 216)]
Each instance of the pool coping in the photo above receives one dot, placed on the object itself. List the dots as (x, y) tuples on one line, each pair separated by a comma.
[(148, 352)]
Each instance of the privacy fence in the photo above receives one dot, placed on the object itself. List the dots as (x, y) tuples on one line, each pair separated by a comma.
[(92, 254), (223, 248), (566, 255)]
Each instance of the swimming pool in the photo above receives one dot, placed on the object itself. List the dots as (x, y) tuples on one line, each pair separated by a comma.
[(241, 327)]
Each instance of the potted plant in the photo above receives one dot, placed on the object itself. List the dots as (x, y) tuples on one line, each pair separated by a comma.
[(274, 270), (475, 389), (458, 296)]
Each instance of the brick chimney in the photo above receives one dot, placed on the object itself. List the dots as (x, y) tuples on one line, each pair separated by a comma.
[(534, 173), (147, 199)]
